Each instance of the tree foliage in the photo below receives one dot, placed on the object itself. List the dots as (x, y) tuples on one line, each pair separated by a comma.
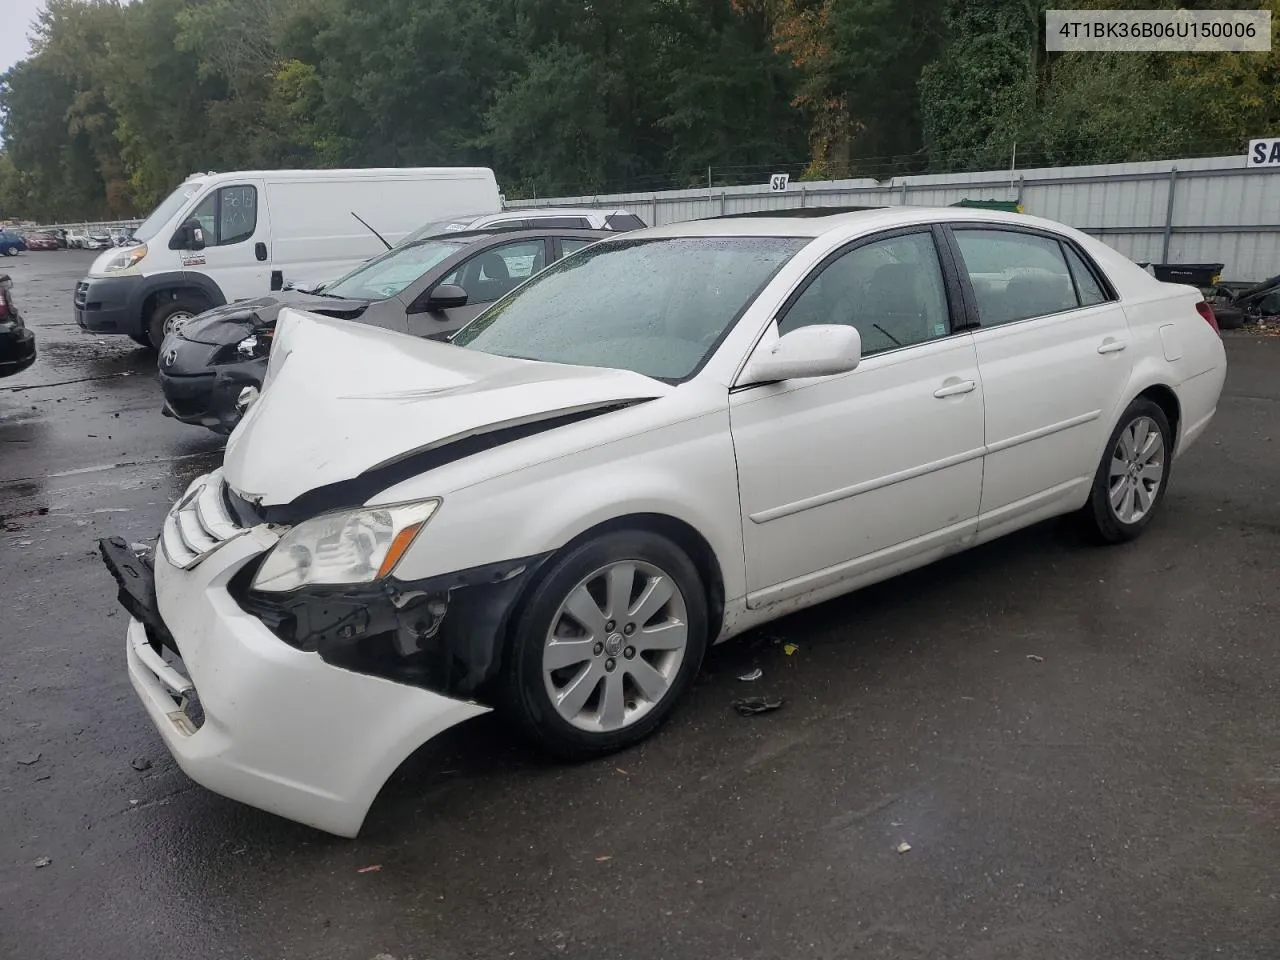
[(119, 101)]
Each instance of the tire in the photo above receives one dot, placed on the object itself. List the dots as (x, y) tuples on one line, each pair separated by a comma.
[(11, 250), (1128, 488), (606, 668), (167, 312)]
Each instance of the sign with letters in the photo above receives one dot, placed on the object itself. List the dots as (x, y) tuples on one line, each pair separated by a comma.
[(778, 182), (1265, 152)]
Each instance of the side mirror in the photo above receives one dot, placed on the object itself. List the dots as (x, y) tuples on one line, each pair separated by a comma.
[(445, 296), (816, 351), (189, 236)]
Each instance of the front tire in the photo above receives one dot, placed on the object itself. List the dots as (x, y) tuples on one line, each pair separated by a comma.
[(11, 250), (168, 315), (609, 640), (1131, 480)]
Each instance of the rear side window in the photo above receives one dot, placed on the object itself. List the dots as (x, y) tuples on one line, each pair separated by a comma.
[(1086, 283), (553, 222), (569, 244), (623, 221), (1015, 276)]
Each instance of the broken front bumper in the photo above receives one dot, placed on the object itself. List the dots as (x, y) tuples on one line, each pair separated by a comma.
[(249, 716)]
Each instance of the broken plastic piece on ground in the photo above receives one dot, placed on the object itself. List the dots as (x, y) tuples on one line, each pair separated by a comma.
[(603, 859), (750, 706), (755, 674), (41, 861), (790, 648), (903, 847), (372, 868), (140, 764), (1035, 657)]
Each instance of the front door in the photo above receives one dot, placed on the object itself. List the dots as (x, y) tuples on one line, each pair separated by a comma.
[(237, 253), (842, 477), (1052, 349), (486, 276)]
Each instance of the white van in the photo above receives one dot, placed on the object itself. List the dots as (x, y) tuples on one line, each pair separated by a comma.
[(221, 237)]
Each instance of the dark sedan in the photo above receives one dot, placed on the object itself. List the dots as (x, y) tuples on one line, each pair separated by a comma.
[(17, 343), (428, 288)]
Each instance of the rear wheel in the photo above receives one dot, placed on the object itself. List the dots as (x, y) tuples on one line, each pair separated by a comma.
[(1131, 479), (11, 250), (607, 644), (169, 315)]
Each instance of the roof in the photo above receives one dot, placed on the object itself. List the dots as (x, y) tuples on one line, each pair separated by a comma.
[(764, 225), (352, 173)]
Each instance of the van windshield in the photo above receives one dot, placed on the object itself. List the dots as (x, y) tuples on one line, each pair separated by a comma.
[(163, 213)]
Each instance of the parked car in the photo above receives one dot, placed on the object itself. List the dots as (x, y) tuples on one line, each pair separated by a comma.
[(17, 343), (11, 243), (76, 239), (585, 218), (98, 241), (121, 236), (661, 442), (60, 235), (212, 242), (41, 241), (428, 288)]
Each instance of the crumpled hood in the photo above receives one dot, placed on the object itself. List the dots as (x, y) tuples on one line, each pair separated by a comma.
[(234, 321), (342, 399)]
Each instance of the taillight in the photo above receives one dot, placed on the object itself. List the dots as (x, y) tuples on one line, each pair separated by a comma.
[(1206, 311)]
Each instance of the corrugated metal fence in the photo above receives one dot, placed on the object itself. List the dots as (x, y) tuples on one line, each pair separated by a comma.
[(1203, 210)]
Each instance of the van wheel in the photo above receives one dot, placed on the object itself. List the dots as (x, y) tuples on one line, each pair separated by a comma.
[(608, 641), (169, 315), (1133, 475)]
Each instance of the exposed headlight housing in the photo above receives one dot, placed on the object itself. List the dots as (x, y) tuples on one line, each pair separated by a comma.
[(126, 259), (355, 546)]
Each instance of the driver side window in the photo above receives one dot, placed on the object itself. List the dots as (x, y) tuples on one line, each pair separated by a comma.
[(499, 270), (891, 290), (228, 215)]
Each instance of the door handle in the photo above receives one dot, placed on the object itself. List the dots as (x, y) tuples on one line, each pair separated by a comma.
[(1112, 346), (260, 251), (955, 389)]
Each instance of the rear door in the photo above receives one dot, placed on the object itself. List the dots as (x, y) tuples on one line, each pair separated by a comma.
[(1052, 343), (237, 235)]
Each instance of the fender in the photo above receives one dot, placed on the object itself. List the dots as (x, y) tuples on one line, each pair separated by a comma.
[(175, 280)]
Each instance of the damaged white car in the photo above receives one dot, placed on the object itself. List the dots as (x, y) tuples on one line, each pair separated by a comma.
[(659, 442)]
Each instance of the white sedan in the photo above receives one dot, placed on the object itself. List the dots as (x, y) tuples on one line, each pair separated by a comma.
[(658, 443)]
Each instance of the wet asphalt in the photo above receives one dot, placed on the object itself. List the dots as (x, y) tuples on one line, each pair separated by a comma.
[(1081, 745)]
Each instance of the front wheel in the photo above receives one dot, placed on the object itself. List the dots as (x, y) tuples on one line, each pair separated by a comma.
[(1131, 479), (607, 644), (169, 315), (11, 250)]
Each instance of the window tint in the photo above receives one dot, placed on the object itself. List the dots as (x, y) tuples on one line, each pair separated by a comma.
[(570, 244), (1015, 276), (553, 222), (227, 216), (1086, 284), (499, 270), (623, 221), (891, 290)]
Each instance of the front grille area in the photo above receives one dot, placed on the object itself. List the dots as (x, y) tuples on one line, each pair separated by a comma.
[(199, 523)]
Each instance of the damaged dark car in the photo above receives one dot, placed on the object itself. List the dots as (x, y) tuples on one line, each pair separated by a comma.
[(17, 343), (212, 366)]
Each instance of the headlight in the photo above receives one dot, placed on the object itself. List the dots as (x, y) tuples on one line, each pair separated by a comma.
[(358, 546), (126, 259)]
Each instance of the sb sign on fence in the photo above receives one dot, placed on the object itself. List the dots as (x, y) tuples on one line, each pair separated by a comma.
[(1265, 152), (778, 182)]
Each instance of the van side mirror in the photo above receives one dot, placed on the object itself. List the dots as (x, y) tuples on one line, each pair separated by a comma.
[(820, 350), (189, 236), (443, 296)]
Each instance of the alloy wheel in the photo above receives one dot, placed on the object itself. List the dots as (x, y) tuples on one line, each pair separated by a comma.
[(1137, 470)]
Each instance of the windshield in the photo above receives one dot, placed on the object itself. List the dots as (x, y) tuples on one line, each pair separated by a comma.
[(387, 275), (437, 227), (168, 207), (657, 307)]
